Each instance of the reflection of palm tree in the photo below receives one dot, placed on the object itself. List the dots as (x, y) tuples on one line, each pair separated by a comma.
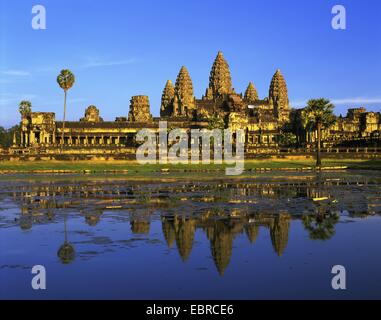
[(321, 226), (66, 252)]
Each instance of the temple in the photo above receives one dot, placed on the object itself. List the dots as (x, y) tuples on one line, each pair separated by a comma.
[(264, 121)]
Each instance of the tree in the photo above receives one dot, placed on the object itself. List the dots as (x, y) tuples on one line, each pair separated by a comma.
[(65, 80), (25, 108), (287, 139), (316, 116), (6, 136), (321, 226), (216, 122)]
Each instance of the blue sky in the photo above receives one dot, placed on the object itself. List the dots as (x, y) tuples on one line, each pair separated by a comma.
[(121, 48)]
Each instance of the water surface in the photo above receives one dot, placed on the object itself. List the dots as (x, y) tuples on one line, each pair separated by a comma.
[(264, 236)]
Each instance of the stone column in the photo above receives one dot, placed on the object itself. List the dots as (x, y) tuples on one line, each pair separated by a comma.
[(32, 138)]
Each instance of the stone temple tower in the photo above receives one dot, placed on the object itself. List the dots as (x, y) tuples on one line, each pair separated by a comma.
[(140, 109), (220, 81), (251, 94), (278, 97), (166, 109), (184, 100)]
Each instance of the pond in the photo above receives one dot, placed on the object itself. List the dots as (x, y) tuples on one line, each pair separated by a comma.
[(263, 236)]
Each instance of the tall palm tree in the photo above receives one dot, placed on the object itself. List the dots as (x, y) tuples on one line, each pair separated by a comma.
[(316, 116), (25, 107), (65, 80)]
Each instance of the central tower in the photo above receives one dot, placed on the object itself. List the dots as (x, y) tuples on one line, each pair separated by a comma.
[(220, 80)]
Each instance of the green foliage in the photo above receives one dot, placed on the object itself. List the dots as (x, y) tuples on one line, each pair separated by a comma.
[(287, 139), (318, 112), (25, 108), (216, 123), (316, 116), (6, 136), (321, 227), (66, 79)]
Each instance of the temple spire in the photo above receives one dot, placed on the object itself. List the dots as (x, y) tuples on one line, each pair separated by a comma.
[(220, 81), (139, 109), (167, 99), (278, 96), (184, 101), (251, 94)]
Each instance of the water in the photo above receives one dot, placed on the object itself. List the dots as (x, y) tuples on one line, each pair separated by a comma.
[(265, 236)]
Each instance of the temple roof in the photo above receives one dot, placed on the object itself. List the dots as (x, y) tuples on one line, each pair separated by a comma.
[(220, 80)]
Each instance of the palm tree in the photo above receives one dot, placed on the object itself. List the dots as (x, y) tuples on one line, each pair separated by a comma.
[(65, 80), (321, 226), (66, 252), (25, 108), (316, 116)]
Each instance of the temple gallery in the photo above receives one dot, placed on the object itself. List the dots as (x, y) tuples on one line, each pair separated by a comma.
[(270, 125)]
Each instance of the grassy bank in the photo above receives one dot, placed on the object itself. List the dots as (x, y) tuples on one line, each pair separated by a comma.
[(133, 167)]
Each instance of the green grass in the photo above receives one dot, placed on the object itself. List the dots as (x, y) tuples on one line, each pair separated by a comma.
[(133, 167)]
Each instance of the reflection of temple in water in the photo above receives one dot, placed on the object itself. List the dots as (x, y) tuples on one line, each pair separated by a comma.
[(222, 210), (221, 232), (140, 220)]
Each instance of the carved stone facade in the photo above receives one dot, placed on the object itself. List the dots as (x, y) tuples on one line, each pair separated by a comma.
[(140, 110), (92, 115), (263, 120), (278, 97), (251, 94), (184, 100), (167, 99), (220, 80)]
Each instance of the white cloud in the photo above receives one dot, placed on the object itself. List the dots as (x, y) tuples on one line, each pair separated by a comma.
[(16, 73), (359, 101), (95, 63), (11, 99)]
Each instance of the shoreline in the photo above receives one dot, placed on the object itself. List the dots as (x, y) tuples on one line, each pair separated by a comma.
[(133, 168)]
